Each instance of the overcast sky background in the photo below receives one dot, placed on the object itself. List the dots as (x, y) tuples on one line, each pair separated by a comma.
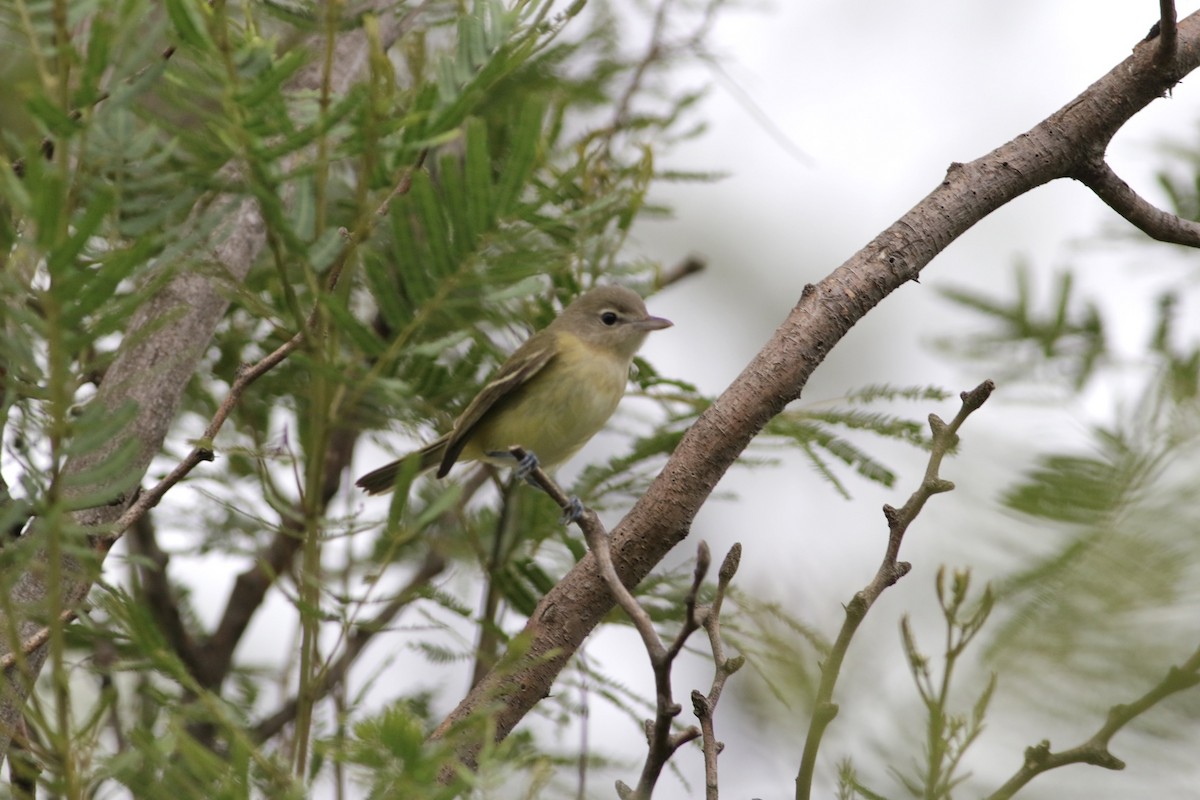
[(882, 97)]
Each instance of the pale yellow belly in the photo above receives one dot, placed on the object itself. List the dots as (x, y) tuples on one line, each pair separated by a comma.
[(557, 413)]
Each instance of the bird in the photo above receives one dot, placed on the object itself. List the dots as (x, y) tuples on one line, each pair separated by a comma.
[(553, 394)]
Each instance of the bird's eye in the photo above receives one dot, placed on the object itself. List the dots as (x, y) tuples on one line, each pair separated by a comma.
[(609, 318)]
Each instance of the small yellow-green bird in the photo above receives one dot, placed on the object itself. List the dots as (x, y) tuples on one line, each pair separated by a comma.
[(551, 396)]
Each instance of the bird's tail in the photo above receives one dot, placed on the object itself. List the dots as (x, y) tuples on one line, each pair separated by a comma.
[(383, 480)]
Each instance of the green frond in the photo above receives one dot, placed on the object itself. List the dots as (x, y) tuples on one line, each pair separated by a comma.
[(1074, 489), (814, 437), (888, 426), (438, 654), (1066, 334), (188, 23), (781, 650), (818, 465), (881, 391)]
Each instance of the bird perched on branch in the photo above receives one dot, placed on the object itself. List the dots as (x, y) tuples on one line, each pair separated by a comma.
[(550, 397)]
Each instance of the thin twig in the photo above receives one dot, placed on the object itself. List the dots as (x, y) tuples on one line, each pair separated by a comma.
[(597, 539), (1168, 33), (39, 638), (1094, 751), (247, 375), (705, 706), (689, 266), (945, 437), (662, 744)]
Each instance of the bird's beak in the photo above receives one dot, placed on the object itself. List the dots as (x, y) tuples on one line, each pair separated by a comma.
[(652, 324)]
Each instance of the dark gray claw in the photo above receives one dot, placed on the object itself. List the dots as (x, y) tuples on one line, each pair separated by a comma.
[(526, 466), (573, 512)]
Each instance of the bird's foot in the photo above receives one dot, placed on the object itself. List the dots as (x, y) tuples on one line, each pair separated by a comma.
[(526, 466), (573, 512)]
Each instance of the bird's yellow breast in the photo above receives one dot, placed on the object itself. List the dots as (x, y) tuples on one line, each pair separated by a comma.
[(559, 408)]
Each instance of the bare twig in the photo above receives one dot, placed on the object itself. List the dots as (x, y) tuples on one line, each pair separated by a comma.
[(1120, 197), (689, 266), (33, 642), (1094, 751), (662, 742), (945, 437), (1168, 33), (597, 539), (547, 484), (704, 706), (148, 499)]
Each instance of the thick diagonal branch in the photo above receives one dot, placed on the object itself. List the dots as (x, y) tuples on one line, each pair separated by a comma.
[(823, 315)]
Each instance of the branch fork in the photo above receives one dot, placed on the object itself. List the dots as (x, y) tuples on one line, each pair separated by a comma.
[(660, 737)]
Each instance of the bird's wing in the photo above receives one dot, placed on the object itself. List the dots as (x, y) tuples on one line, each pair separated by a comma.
[(527, 361)]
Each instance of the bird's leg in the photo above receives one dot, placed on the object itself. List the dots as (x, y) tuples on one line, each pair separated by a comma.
[(527, 462), (528, 470), (526, 466), (573, 511)]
